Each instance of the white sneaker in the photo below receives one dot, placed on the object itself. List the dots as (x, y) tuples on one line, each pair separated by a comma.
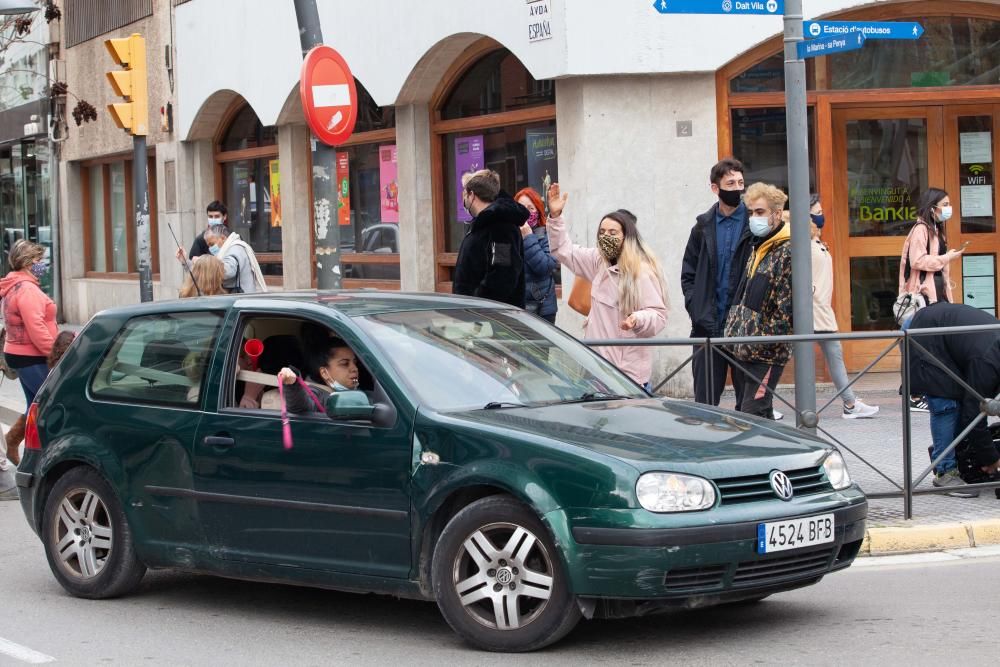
[(777, 415), (861, 410)]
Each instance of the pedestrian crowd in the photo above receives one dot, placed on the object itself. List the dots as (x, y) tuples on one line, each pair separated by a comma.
[(736, 278)]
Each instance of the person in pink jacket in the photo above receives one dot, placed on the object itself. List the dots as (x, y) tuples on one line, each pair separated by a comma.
[(628, 293), (30, 319), (925, 260)]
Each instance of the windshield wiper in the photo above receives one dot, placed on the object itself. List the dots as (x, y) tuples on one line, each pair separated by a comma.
[(498, 405), (598, 396)]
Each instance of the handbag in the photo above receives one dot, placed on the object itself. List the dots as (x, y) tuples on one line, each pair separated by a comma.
[(908, 303), (579, 296), (534, 305), (237, 288), (10, 373)]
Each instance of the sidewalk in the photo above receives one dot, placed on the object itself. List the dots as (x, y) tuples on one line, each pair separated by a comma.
[(939, 522)]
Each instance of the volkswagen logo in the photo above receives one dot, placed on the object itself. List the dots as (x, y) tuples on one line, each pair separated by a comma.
[(504, 576), (782, 485)]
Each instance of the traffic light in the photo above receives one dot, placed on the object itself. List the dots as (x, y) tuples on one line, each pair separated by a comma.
[(130, 83)]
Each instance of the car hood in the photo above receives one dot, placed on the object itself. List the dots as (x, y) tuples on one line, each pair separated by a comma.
[(659, 434)]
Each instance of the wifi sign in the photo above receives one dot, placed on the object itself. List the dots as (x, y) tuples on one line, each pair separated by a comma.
[(977, 177)]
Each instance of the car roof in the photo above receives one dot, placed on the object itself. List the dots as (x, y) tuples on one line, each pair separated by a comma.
[(351, 303)]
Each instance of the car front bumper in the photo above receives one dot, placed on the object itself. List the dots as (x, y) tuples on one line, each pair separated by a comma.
[(707, 564)]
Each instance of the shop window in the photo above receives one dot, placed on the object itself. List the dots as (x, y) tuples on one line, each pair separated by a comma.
[(887, 171), (516, 138), (248, 156), (759, 142), (506, 151), (24, 200), (874, 287), (108, 217), (768, 76), (953, 51), (498, 82), (365, 215)]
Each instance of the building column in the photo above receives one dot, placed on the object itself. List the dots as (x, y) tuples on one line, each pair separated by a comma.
[(416, 210), (295, 165)]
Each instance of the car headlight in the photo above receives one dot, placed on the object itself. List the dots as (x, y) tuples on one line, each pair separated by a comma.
[(836, 471), (673, 492)]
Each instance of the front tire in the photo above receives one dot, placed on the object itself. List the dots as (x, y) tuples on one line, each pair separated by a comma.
[(87, 540), (498, 578)]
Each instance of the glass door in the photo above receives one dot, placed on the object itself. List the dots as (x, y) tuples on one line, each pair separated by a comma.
[(970, 150), (884, 160)]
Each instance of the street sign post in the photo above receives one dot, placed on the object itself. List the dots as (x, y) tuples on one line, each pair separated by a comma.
[(827, 45), (870, 29), (735, 7), (329, 95)]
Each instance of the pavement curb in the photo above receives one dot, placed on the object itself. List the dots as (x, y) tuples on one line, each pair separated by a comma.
[(932, 537)]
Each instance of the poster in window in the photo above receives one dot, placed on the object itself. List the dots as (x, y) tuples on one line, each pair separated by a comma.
[(979, 282), (469, 158), (388, 182), (976, 147), (542, 159), (343, 189), (273, 170)]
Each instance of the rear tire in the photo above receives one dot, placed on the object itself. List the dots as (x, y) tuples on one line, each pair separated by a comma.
[(87, 540), (498, 578)]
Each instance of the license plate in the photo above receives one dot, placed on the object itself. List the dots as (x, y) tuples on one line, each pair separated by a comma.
[(794, 533)]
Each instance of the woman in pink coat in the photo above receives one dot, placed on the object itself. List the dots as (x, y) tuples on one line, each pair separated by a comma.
[(924, 264), (628, 293)]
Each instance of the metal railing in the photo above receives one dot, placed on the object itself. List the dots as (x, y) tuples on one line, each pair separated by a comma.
[(907, 342)]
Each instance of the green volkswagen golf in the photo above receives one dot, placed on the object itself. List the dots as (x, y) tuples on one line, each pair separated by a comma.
[(478, 457)]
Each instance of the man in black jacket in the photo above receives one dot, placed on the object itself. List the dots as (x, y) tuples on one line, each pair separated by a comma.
[(974, 357), (714, 259), (216, 214), (491, 259)]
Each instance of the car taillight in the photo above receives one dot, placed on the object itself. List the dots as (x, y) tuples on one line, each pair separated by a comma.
[(31, 437)]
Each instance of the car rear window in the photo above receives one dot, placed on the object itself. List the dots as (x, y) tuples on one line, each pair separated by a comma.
[(158, 359)]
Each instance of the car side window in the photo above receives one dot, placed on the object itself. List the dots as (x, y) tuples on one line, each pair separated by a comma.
[(158, 359)]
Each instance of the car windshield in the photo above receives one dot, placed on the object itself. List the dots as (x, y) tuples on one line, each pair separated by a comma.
[(473, 359)]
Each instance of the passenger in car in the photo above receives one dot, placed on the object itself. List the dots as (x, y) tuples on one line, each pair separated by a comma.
[(333, 366)]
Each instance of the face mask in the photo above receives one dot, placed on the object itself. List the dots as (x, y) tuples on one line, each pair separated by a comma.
[(336, 386), (466, 205), (610, 246), (945, 214), (215, 221), (818, 219), (730, 197), (533, 219), (214, 249), (39, 269), (760, 225)]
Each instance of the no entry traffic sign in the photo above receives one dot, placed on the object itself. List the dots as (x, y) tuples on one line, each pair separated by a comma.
[(329, 96)]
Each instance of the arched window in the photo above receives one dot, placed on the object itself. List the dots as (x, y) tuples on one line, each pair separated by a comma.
[(492, 114), (247, 175), (366, 212)]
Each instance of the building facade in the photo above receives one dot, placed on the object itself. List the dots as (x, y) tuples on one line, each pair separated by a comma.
[(622, 105), (27, 169)]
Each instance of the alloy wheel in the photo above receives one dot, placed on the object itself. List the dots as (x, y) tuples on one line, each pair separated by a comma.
[(503, 576), (83, 534)]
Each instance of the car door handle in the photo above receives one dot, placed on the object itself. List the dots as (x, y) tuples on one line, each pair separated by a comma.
[(218, 441)]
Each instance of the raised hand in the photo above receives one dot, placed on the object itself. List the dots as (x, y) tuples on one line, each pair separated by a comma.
[(557, 200)]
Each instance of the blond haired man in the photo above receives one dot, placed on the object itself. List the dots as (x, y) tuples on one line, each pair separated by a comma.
[(762, 305)]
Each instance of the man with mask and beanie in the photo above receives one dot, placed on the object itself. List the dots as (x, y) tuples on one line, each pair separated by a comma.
[(762, 304), (491, 259), (714, 258)]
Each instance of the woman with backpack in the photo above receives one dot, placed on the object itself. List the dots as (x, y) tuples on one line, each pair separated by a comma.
[(30, 323)]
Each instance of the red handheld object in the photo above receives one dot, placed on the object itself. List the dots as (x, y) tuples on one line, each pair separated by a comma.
[(254, 348)]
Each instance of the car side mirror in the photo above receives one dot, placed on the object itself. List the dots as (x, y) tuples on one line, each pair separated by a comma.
[(349, 405)]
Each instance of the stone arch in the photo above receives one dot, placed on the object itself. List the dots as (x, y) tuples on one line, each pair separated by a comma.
[(212, 114)]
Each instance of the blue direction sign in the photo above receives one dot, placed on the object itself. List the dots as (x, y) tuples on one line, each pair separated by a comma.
[(870, 29), (742, 7), (827, 45)]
